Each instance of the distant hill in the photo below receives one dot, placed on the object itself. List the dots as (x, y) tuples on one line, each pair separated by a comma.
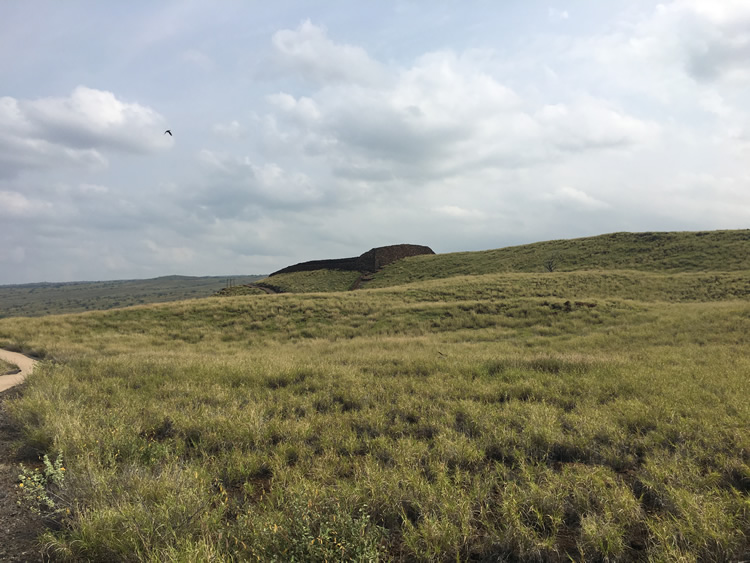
[(667, 252), (37, 299), (695, 251)]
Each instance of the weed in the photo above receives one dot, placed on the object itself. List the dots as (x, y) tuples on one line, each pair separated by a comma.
[(37, 487)]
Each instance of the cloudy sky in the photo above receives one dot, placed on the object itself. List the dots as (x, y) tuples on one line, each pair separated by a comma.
[(319, 130)]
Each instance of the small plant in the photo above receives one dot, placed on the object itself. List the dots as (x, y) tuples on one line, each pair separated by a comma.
[(318, 530), (37, 486)]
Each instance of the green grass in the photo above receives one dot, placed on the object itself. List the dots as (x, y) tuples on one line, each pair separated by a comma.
[(37, 299), (704, 251), (248, 289), (314, 281), (709, 253), (527, 416), (642, 286), (6, 367)]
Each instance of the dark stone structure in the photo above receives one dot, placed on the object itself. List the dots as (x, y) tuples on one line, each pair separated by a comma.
[(370, 261)]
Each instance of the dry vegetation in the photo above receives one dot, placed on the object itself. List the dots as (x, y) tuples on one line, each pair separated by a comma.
[(584, 415), (36, 299), (702, 251), (5, 367), (314, 281)]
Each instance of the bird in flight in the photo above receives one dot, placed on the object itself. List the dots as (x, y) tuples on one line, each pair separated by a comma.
[(168, 131)]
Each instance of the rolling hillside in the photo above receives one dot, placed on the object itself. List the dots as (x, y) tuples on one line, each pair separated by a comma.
[(72, 297), (701, 251), (589, 415), (667, 252)]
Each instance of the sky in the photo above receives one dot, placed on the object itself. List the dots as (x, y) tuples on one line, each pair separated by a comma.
[(312, 130)]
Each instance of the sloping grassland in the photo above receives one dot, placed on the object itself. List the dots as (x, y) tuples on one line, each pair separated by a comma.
[(673, 252), (703, 251), (37, 299), (597, 415), (312, 281)]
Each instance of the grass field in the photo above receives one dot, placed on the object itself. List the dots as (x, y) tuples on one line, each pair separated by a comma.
[(714, 251), (314, 281), (673, 252), (597, 415), (36, 299)]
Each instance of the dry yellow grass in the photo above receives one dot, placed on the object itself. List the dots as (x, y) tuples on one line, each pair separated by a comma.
[(596, 416)]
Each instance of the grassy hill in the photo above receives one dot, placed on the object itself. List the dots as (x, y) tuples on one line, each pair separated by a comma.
[(316, 280), (703, 251), (574, 415), (55, 298)]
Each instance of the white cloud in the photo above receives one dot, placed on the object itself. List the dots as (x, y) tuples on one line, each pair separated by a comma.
[(17, 153), (279, 185), (458, 212), (303, 110), (92, 189), (173, 255), (74, 131), (703, 40), (22, 145), (96, 118), (684, 63), (577, 198), (232, 185), (711, 38), (557, 15), (233, 129), (218, 161), (14, 204), (445, 115), (730, 12), (12, 117), (198, 59), (593, 124), (308, 51), (15, 255)]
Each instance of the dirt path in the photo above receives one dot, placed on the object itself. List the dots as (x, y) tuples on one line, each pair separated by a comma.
[(24, 363), (271, 290), (18, 527)]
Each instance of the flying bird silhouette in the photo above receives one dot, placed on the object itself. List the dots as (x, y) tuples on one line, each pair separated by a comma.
[(168, 131)]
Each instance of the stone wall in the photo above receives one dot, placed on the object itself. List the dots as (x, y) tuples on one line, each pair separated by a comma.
[(370, 261), (349, 264), (373, 260)]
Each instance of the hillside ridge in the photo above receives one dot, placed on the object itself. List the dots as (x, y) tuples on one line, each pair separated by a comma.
[(47, 298), (670, 251)]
